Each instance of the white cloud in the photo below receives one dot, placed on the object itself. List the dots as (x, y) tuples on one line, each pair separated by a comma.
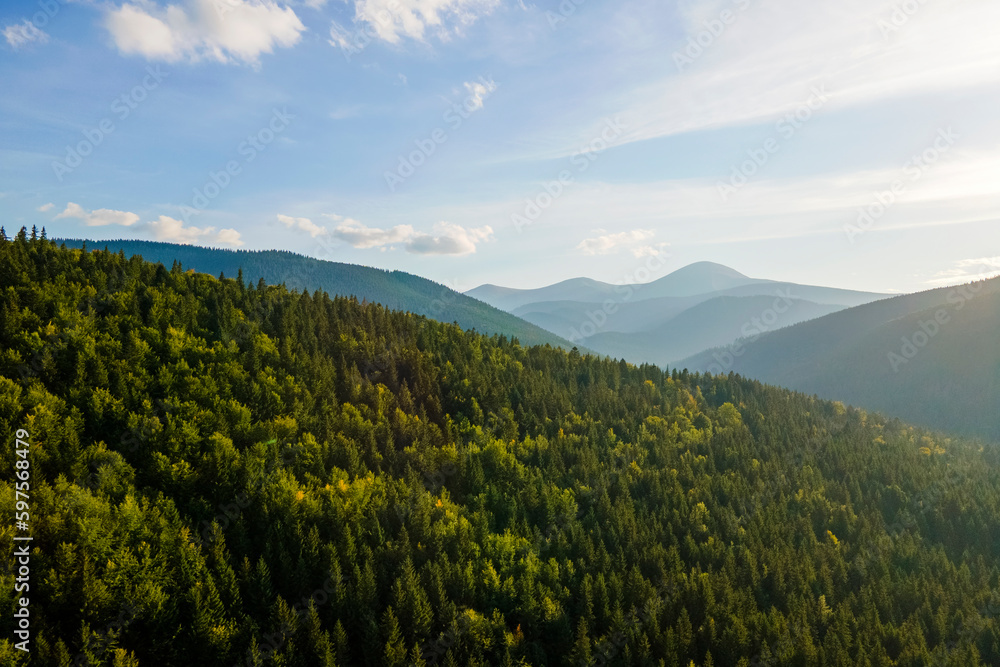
[(446, 239), (23, 33), (968, 270), (221, 30), (303, 224), (766, 62), (478, 91), (608, 243), (99, 218), (164, 228), (46, 207), (391, 20), (449, 239), (361, 236), (171, 230), (654, 250)]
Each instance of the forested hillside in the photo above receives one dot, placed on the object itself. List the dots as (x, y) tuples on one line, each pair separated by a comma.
[(393, 289), (931, 358), (238, 474)]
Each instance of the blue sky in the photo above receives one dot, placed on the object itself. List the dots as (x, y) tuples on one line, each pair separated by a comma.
[(852, 144)]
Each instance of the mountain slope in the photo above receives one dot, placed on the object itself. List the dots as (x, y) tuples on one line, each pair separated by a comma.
[(932, 358), (565, 318), (715, 322), (393, 289), (220, 474)]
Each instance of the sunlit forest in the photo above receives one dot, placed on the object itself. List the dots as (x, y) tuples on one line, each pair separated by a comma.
[(225, 472)]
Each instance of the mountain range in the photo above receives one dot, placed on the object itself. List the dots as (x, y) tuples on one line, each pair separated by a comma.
[(700, 306)]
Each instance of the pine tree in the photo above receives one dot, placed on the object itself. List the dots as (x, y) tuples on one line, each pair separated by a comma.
[(341, 644), (395, 649), (581, 649), (416, 657)]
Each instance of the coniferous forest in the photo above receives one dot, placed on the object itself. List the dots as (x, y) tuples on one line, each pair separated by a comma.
[(231, 473)]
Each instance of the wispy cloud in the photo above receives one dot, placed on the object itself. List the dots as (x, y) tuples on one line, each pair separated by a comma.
[(44, 208), (609, 243), (393, 20), (766, 62), (968, 270), (225, 31), (445, 239), (21, 34)]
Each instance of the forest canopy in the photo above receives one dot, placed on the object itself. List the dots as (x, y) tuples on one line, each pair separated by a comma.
[(231, 473)]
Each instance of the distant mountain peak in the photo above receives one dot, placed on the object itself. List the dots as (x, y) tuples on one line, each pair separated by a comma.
[(701, 278), (710, 268)]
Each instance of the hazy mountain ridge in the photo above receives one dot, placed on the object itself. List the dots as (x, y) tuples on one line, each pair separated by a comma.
[(717, 321), (647, 323), (691, 280), (932, 357), (396, 290)]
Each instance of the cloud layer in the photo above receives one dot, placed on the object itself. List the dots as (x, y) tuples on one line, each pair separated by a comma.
[(226, 31), (764, 61), (163, 228), (446, 238)]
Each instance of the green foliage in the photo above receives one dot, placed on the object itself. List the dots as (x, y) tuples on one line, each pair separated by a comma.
[(229, 474), (393, 289)]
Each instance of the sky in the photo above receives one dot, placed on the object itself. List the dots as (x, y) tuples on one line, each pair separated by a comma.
[(852, 144)]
